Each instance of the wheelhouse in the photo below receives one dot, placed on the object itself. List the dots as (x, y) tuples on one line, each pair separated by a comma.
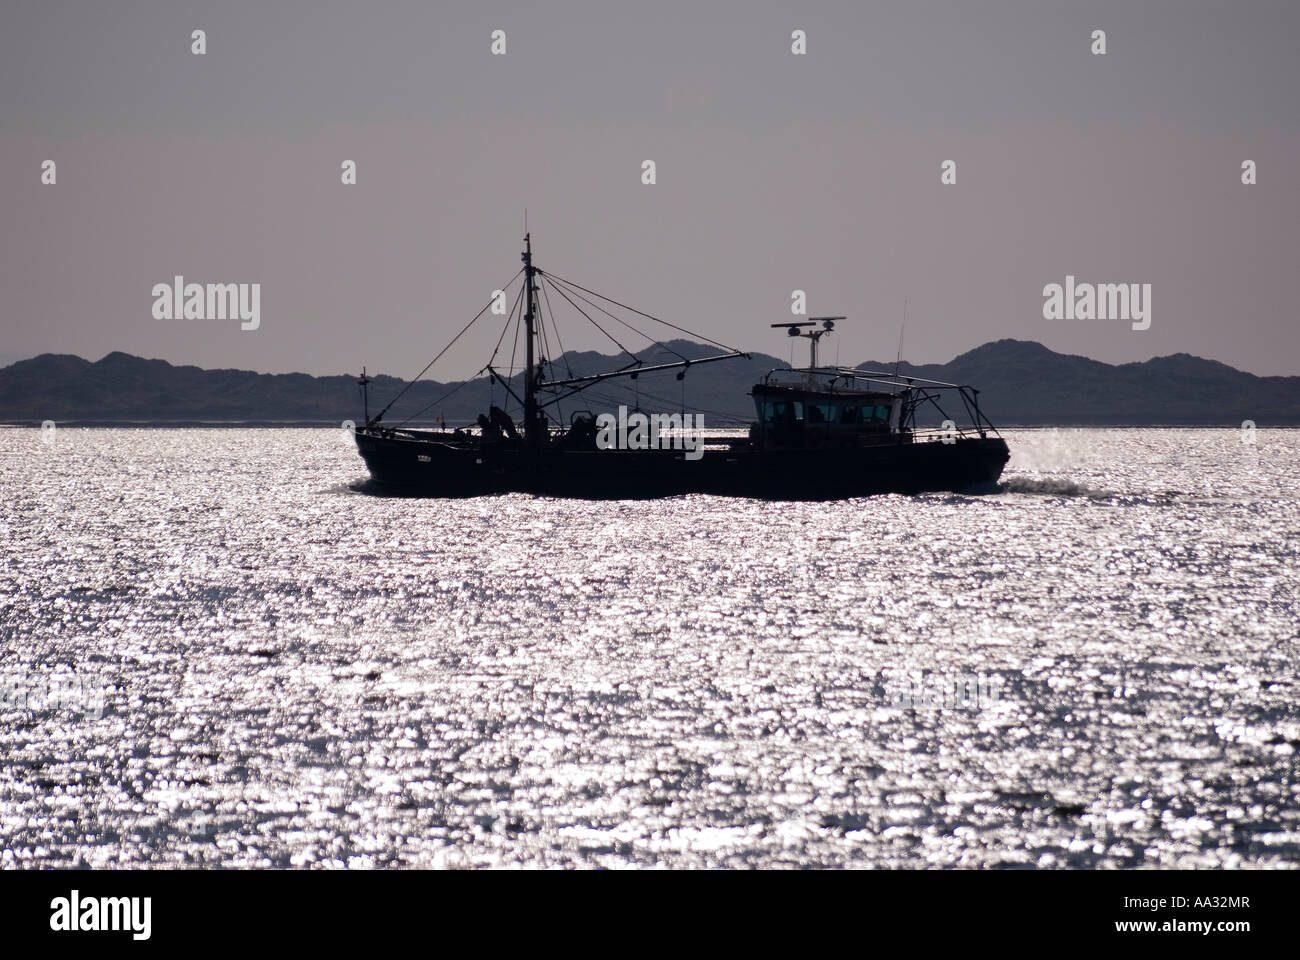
[(807, 415)]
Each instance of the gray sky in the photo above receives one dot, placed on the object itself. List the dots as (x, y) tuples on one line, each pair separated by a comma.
[(775, 172)]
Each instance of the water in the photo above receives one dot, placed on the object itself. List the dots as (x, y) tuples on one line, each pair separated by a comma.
[(217, 651)]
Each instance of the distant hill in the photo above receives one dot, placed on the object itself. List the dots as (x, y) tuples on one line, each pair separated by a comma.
[(1023, 382), (1020, 382)]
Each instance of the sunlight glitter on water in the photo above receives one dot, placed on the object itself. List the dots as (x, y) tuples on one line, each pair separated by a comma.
[(297, 673)]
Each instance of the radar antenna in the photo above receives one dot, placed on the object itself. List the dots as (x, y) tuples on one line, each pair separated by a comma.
[(795, 329)]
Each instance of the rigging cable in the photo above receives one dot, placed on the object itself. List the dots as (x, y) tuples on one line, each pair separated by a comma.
[(555, 328), (564, 355), (643, 314), (625, 323), (723, 415), (445, 396), (491, 386), (560, 291), (510, 316), (442, 351), (514, 349), (492, 375)]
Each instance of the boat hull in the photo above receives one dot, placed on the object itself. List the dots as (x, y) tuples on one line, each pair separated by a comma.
[(425, 466)]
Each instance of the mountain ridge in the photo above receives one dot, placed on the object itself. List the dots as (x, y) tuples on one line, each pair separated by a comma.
[(1020, 381)]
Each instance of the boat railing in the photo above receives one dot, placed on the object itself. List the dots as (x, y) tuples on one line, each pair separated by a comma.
[(917, 392), (930, 395)]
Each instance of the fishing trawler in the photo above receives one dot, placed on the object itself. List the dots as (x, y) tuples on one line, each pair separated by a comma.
[(819, 432)]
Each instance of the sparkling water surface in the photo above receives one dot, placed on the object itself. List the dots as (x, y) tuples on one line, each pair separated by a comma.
[(264, 665)]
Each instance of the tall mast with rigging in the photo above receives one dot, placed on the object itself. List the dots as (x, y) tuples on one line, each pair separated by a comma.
[(533, 428)]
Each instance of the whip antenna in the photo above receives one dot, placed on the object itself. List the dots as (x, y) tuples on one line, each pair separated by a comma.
[(898, 360)]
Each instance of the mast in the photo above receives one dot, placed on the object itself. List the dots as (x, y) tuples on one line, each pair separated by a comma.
[(364, 383), (532, 428)]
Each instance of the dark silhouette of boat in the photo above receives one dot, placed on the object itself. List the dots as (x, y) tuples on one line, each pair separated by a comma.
[(819, 433)]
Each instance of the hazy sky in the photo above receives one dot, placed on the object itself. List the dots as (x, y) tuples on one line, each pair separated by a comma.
[(774, 172)]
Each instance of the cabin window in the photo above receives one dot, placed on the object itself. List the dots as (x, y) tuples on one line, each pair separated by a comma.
[(822, 413), (867, 413), (782, 411)]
